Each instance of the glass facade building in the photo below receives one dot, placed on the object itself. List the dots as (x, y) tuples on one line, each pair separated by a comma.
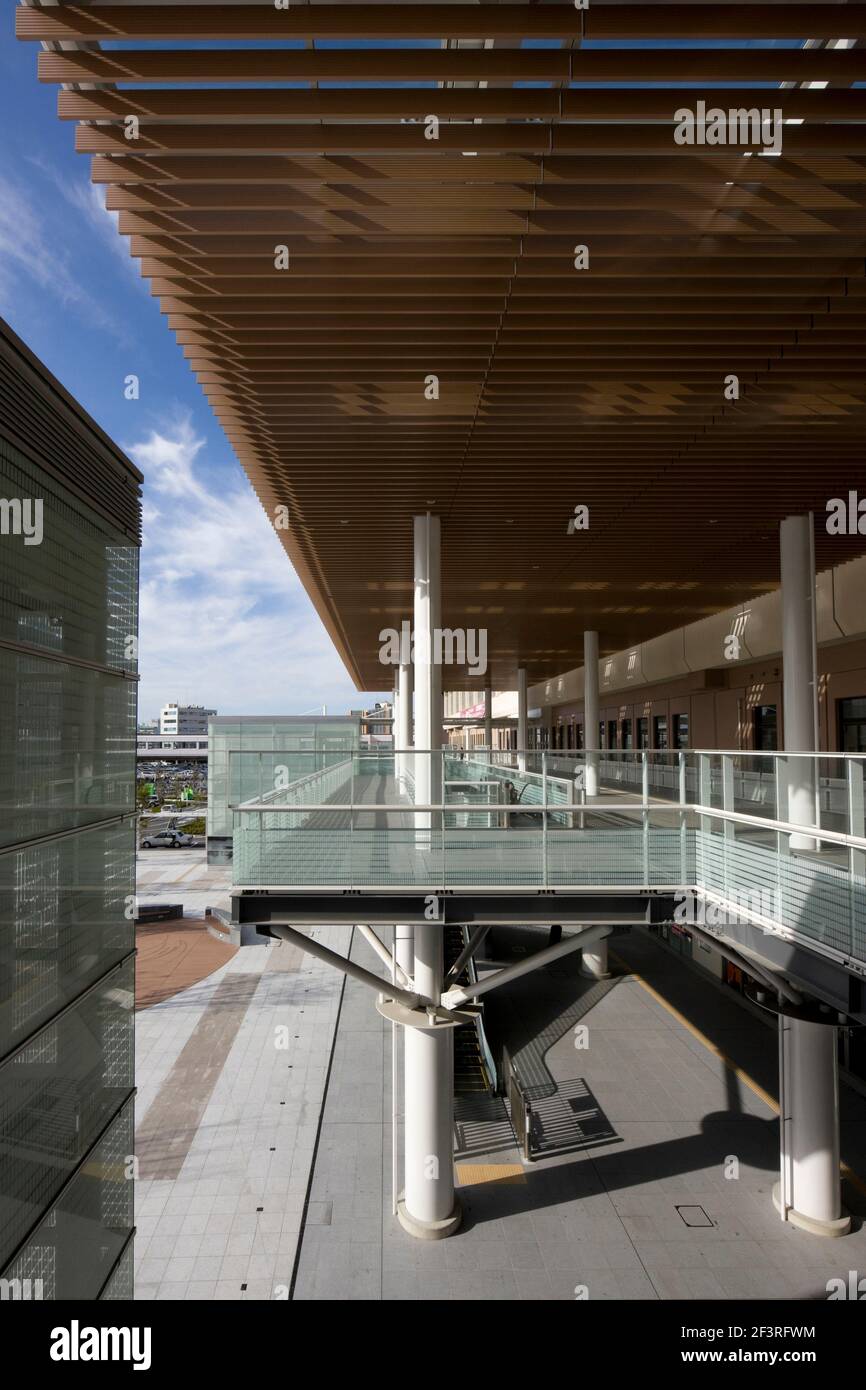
[(310, 741), (68, 680)]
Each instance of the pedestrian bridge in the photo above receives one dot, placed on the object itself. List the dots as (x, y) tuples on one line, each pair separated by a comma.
[(725, 827)]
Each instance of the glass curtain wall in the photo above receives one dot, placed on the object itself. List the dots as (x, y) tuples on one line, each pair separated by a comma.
[(68, 644)]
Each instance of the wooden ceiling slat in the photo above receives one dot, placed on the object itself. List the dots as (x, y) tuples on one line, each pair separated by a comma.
[(536, 277), (533, 288), (514, 197), (506, 21), (592, 104), (626, 137), (689, 249), (781, 221), (455, 64), (223, 307), (626, 169)]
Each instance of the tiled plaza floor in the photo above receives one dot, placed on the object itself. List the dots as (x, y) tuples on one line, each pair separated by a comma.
[(231, 1074), (182, 876)]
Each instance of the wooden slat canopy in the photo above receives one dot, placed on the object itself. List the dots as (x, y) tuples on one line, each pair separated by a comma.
[(454, 257)]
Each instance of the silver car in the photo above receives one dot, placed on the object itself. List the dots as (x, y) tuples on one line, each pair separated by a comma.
[(167, 839)]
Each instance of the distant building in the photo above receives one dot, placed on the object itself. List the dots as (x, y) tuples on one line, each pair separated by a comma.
[(252, 756), (157, 747), (377, 723), (184, 719), (149, 726)]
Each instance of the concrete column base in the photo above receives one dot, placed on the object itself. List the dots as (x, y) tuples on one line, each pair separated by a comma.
[(593, 964), (813, 1224), (429, 1230)]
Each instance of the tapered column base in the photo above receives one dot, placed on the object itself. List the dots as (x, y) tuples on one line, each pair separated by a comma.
[(813, 1224), (429, 1230)]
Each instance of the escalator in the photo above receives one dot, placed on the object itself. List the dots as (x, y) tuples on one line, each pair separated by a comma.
[(474, 1073)]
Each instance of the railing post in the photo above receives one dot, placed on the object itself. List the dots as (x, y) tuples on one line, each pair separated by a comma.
[(728, 827), (705, 796), (441, 818), (544, 818), (683, 820), (856, 857), (645, 814)]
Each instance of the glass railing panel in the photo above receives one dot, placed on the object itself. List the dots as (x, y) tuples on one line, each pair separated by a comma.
[(832, 794), (502, 858), (624, 855), (283, 856), (749, 783), (280, 777), (663, 774)]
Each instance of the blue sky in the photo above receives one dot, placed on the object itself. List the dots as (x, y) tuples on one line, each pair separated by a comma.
[(219, 598)]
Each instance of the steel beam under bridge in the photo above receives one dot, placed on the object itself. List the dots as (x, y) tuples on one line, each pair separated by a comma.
[(456, 907), (832, 982)]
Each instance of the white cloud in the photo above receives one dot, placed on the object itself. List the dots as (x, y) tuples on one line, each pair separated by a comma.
[(28, 245), (89, 199), (225, 621)]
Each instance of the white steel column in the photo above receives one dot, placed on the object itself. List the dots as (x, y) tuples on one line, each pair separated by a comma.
[(590, 710), (488, 717), (809, 1193), (395, 719), (403, 726), (594, 963), (522, 723), (404, 947), (799, 670), (428, 672), (428, 1208)]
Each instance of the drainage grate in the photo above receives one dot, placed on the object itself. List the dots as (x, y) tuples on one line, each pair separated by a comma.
[(695, 1216)]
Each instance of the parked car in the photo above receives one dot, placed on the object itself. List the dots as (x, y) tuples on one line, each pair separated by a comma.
[(167, 839)]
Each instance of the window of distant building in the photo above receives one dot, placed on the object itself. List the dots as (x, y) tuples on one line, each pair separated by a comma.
[(601, 742), (852, 725), (766, 731), (643, 733), (660, 731), (611, 733), (625, 733), (681, 731)]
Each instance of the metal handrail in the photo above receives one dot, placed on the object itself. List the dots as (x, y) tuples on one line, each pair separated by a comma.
[(816, 832)]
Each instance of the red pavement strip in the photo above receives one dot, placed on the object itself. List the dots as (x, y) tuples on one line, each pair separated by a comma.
[(173, 955)]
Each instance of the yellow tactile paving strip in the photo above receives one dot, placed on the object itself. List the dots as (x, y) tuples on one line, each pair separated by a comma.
[(470, 1174)]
